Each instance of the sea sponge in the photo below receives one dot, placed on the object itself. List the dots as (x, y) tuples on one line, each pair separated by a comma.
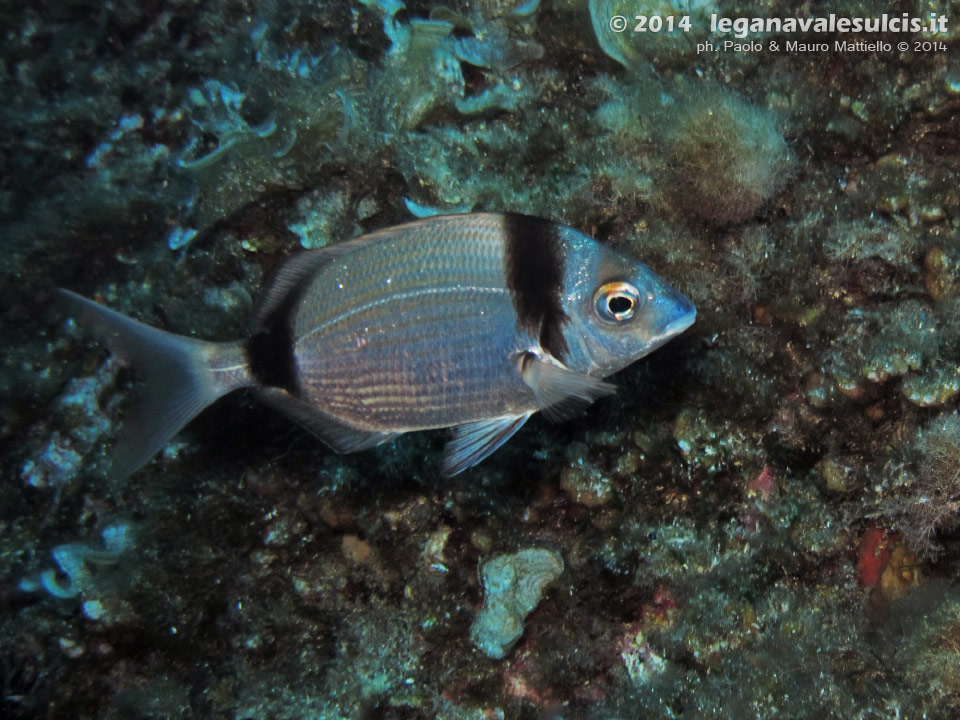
[(725, 158), (513, 586)]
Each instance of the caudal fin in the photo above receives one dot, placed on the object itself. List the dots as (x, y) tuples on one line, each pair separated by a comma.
[(181, 377)]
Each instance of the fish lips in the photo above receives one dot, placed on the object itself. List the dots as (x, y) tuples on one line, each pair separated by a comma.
[(686, 318), (678, 313)]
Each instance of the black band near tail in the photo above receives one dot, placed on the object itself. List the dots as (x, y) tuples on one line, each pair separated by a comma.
[(534, 268), (270, 352)]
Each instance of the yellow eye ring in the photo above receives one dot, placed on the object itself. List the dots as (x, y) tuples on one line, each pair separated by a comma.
[(616, 302)]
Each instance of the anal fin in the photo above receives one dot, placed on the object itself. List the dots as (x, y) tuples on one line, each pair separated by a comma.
[(341, 438), (475, 441)]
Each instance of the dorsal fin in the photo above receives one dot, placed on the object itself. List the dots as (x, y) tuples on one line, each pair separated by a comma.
[(293, 274), (290, 278)]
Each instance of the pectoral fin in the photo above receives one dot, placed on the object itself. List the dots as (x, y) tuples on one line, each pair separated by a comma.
[(475, 441), (560, 392)]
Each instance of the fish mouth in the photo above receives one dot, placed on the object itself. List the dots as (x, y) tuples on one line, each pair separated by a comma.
[(681, 323), (676, 326)]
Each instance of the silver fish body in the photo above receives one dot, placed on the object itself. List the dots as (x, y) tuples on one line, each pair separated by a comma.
[(467, 321)]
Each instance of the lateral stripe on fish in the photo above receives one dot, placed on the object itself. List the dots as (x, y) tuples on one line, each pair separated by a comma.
[(425, 294)]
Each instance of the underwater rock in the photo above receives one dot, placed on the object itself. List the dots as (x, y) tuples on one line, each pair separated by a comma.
[(941, 274), (513, 586), (643, 664), (323, 216), (935, 387), (587, 484), (595, 471), (61, 459), (710, 445), (889, 343), (840, 474)]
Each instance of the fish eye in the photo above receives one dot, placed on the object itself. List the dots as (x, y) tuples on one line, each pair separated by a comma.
[(616, 302)]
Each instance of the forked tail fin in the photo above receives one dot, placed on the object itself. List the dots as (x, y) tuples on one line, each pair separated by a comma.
[(181, 377)]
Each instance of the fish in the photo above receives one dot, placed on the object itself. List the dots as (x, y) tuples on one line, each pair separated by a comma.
[(473, 322)]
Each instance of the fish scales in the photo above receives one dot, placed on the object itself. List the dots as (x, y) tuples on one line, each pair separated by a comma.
[(450, 354), (473, 322), (375, 354)]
